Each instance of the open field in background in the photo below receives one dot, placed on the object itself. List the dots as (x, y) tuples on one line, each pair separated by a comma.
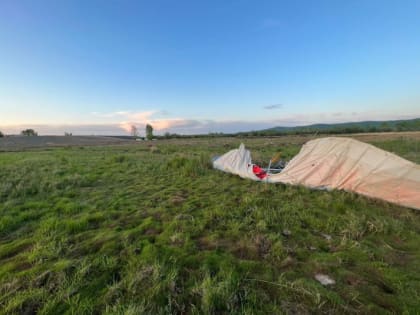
[(17, 143), (151, 228), (20, 143)]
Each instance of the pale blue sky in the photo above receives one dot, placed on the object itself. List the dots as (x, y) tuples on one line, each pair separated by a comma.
[(200, 66)]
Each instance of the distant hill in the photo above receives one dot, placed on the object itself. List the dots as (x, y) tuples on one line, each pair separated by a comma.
[(349, 127)]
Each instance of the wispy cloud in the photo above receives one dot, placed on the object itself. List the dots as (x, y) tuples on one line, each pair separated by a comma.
[(126, 114), (60, 129), (273, 106), (164, 113), (126, 119), (198, 126)]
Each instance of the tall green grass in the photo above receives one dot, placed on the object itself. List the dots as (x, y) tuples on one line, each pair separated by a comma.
[(155, 230)]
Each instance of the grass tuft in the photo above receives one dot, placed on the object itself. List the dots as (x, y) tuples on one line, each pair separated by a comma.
[(155, 230)]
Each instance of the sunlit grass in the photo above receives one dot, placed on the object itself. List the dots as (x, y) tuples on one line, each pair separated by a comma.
[(154, 229)]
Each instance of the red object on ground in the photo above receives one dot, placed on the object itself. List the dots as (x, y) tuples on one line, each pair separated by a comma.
[(259, 172)]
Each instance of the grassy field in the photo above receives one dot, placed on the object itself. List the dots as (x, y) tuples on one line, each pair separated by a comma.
[(19, 143), (151, 228)]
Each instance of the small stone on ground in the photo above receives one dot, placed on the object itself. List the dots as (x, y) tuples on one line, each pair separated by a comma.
[(286, 232), (324, 279), (327, 237)]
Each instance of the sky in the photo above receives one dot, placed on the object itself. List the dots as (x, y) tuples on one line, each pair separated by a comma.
[(98, 67)]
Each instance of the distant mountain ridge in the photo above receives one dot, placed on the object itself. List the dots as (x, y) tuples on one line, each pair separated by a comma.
[(347, 127)]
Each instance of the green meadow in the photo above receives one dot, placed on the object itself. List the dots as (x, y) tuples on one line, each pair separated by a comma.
[(151, 228)]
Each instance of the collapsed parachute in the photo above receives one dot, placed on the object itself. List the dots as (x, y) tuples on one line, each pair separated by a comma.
[(338, 163)]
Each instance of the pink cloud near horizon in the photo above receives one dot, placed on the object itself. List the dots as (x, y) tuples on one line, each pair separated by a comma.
[(194, 126)]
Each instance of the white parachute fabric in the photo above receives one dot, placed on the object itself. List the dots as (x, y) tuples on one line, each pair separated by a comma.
[(351, 165), (340, 163), (237, 161)]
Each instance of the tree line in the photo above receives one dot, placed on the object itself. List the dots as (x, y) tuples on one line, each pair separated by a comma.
[(135, 132), (26, 132), (406, 125)]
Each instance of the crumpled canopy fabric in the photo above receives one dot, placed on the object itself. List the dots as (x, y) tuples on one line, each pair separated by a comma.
[(237, 161), (341, 163)]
